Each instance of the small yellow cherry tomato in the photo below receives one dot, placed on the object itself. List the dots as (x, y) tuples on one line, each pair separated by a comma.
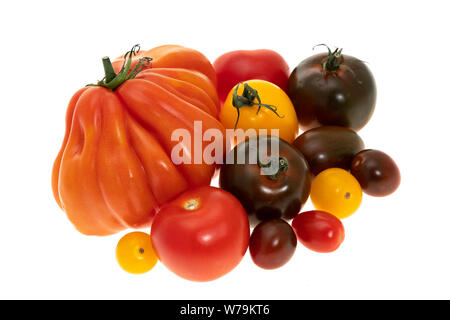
[(135, 253), (336, 191), (259, 104)]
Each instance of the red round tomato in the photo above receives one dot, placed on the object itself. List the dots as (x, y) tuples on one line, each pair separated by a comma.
[(202, 234), (319, 230), (242, 65)]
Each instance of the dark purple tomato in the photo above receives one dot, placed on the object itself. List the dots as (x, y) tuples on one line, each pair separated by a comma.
[(332, 89), (267, 195), (329, 147), (376, 172), (272, 244)]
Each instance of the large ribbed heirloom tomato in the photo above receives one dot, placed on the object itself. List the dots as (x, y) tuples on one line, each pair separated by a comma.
[(115, 164)]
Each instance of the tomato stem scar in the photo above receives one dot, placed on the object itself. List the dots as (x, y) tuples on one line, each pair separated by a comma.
[(191, 204)]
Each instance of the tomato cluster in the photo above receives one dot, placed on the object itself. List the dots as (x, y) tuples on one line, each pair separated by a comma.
[(114, 171)]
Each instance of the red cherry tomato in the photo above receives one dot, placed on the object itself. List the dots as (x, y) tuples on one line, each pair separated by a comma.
[(202, 234), (241, 65), (319, 231)]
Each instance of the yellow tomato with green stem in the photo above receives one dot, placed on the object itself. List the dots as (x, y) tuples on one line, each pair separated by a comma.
[(259, 104), (134, 252), (336, 191)]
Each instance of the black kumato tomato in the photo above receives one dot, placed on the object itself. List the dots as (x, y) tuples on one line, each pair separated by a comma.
[(332, 89), (329, 147), (272, 244), (270, 184), (376, 172)]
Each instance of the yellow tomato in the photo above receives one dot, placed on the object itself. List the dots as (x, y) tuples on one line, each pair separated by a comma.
[(268, 107), (135, 253), (336, 191)]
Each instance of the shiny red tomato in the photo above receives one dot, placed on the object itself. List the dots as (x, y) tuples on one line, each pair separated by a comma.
[(202, 234), (242, 65), (319, 230)]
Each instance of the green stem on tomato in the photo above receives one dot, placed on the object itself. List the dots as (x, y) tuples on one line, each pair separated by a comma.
[(112, 80), (283, 166), (109, 70), (334, 61), (247, 99)]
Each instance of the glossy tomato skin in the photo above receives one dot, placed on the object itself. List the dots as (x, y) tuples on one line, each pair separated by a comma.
[(241, 65), (336, 191), (257, 118), (135, 254), (272, 244), (202, 234), (341, 98), (174, 57), (113, 169), (262, 197), (376, 172), (319, 231), (329, 147)]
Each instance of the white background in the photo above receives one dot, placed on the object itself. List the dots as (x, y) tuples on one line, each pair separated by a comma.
[(395, 247)]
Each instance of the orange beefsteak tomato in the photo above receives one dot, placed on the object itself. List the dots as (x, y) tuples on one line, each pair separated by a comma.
[(114, 168)]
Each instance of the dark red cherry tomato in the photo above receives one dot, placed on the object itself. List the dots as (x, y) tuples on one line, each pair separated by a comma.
[(267, 195), (319, 231), (376, 172), (272, 244), (241, 65), (332, 89), (329, 147), (202, 234)]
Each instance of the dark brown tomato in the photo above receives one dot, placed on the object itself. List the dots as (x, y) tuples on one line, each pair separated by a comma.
[(376, 172), (344, 95), (329, 147), (267, 194), (272, 244)]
